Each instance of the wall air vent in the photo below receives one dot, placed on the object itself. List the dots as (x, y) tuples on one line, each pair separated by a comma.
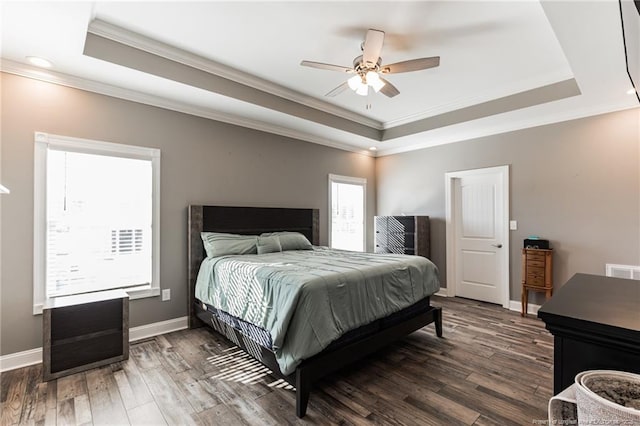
[(623, 271)]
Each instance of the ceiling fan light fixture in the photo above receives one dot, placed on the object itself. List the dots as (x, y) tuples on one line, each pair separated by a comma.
[(373, 80), (363, 90), (357, 84), (354, 82)]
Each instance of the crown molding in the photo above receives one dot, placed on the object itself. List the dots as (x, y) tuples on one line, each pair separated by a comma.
[(67, 80), (510, 126), (138, 41), (481, 97), (62, 79)]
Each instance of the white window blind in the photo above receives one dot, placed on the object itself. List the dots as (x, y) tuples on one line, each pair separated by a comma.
[(98, 222), (96, 216), (347, 198)]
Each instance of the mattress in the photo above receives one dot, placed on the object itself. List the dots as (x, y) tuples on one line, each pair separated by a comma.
[(263, 338), (307, 299), (257, 334)]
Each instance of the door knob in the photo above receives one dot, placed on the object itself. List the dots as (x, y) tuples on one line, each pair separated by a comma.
[(497, 245)]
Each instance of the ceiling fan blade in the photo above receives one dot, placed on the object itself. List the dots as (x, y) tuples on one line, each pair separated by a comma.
[(344, 86), (389, 89), (412, 65), (372, 47), (329, 67)]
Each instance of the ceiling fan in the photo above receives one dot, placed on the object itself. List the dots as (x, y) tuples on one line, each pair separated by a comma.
[(368, 69)]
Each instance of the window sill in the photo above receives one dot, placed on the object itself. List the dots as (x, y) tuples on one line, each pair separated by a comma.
[(134, 293), (142, 292)]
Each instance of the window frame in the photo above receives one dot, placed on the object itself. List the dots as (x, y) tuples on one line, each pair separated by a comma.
[(44, 141), (352, 180)]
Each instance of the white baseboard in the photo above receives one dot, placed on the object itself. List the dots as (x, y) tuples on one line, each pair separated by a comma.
[(157, 328), (34, 356), (20, 359), (516, 305)]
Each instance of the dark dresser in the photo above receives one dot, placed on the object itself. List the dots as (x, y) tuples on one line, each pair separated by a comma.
[(595, 322), (403, 235)]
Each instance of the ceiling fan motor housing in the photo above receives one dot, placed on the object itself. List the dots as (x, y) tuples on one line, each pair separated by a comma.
[(361, 68)]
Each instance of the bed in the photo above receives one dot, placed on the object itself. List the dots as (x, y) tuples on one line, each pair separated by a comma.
[(355, 340)]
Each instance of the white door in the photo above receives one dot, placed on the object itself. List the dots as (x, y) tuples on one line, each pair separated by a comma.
[(480, 232)]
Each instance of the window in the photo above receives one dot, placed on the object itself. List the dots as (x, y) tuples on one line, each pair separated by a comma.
[(347, 205), (96, 218)]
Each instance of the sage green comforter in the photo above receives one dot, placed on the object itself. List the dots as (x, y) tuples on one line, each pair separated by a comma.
[(306, 299)]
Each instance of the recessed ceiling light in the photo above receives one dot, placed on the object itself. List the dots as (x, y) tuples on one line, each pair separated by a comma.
[(373, 148), (631, 91), (39, 62)]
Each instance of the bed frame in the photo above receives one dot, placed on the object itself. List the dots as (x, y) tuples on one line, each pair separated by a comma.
[(256, 220)]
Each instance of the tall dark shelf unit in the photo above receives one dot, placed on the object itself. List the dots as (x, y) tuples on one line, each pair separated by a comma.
[(403, 235)]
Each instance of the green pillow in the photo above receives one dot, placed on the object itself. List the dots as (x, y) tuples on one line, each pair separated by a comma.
[(291, 240), (268, 244), (221, 244)]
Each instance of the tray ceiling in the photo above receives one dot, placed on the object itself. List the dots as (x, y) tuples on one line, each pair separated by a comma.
[(504, 65)]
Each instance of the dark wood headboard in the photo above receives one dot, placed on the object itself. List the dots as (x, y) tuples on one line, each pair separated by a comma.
[(241, 220)]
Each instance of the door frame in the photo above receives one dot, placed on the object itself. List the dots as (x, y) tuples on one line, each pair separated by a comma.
[(449, 183)]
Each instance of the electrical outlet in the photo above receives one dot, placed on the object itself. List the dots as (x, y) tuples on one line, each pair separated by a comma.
[(166, 294), (513, 225)]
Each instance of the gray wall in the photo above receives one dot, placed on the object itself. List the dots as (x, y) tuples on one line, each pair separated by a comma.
[(576, 183), (203, 161)]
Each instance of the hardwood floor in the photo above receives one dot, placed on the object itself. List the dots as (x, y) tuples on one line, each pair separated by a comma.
[(491, 368)]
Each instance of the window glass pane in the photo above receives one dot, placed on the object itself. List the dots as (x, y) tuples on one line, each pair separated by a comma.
[(347, 216), (99, 211)]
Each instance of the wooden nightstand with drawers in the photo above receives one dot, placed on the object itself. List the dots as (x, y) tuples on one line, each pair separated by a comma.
[(536, 274)]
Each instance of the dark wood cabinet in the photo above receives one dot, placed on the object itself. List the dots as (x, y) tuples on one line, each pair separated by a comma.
[(403, 235), (595, 322), (84, 331)]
